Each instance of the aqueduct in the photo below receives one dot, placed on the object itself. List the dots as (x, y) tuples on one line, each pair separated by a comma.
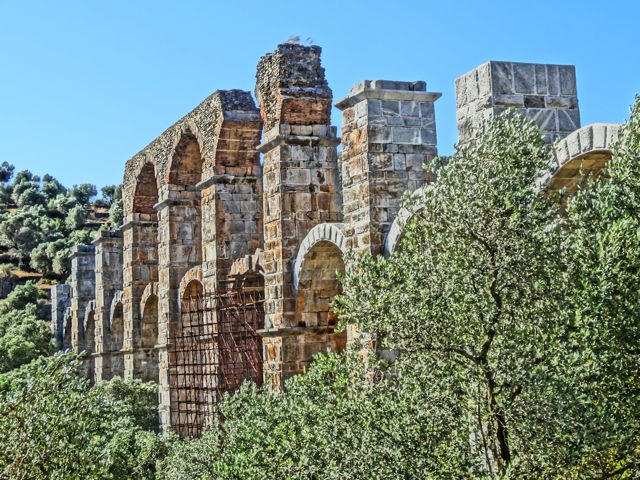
[(236, 220)]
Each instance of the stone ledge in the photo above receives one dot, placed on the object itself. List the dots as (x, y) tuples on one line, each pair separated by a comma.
[(225, 179), (305, 141), (81, 250), (372, 89), (291, 331)]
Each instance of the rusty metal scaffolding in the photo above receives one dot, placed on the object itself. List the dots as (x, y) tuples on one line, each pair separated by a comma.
[(212, 351)]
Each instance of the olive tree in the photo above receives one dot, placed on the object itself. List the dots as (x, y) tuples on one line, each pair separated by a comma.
[(482, 303)]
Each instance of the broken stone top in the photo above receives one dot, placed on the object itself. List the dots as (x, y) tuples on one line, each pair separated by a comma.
[(388, 90), (295, 67), (236, 103), (291, 87)]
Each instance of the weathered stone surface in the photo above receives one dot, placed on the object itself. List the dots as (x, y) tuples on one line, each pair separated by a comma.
[(545, 93), (200, 209)]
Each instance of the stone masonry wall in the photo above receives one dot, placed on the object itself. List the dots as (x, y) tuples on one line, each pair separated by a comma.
[(60, 301), (301, 190), (545, 93), (199, 205), (83, 290), (108, 265), (388, 135)]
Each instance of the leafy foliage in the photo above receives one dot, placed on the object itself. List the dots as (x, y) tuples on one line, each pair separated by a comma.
[(43, 220), (523, 318), (23, 335), (53, 424)]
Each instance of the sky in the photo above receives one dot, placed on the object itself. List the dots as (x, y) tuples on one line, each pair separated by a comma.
[(84, 85)]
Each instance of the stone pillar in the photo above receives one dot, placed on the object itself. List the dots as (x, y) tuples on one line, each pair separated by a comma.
[(83, 289), (108, 248), (388, 134), (231, 189), (179, 247), (546, 94), (300, 181), (140, 267), (60, 301)]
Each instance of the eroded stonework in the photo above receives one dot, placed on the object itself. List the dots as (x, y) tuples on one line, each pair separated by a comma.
[(233, 194)]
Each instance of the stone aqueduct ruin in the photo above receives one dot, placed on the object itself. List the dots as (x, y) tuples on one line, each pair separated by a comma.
[(205, 218)]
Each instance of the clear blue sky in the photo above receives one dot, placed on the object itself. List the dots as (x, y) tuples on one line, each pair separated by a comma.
[(84, 85)]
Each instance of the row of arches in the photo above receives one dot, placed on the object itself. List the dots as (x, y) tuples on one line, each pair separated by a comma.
[(587, 150)]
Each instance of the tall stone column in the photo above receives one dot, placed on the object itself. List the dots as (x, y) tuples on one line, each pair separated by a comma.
[(60, 301), (179, 247), (83, 289), (300, 181), (231, 188), (140, 267), (388, 134), (108, 248), (547, 94)]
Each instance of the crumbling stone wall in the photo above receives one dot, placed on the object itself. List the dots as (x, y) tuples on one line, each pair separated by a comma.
[(301, 190), (201, 209)]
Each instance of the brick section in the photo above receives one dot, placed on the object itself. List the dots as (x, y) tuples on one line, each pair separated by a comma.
[(300, 185), (547, 94), (291, 88), (388, 134), (231, 195)]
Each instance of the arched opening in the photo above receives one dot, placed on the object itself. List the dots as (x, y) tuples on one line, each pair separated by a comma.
[(90, 332), (147, 355), (570, 174), (190, 353), (194, 289), (317, 287), (146, 192), (186, 165), (185, 173), (116, 338), (89, 342), (66, 338)]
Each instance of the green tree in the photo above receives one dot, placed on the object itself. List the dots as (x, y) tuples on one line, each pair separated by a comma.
[(480, 305), (51, 187), (53, 424), (30, 196), (84, 192), (6, 172), (76, 218)]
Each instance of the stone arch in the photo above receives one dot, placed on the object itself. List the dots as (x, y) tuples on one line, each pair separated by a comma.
[(150, 290), (394, 236), (146, 354), (186, 163), (324, 232), (319, 261), (145, 190), (587, 149), (191, 284), (116, 335), (89, 327)]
